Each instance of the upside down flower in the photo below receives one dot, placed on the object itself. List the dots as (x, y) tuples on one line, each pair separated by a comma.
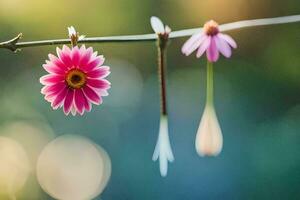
[(211, 41), (76, 79), (163, 151), (209, 139)]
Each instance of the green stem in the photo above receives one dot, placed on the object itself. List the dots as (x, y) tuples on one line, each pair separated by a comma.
[(210, 84)]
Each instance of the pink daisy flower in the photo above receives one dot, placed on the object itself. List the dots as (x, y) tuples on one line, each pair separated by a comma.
[(211, 41), (75, 80)]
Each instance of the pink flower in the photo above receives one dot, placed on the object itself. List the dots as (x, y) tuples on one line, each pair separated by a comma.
[(211, 41), (75, 79)]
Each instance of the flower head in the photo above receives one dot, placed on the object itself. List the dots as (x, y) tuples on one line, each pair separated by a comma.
[(163, 149), (72, 31), (74, 36), (209, 139), (76, 79), (158, 27), (211, 41), (161, 30)]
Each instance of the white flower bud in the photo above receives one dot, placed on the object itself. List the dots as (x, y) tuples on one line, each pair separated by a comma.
[(209, 139), (163, 149)]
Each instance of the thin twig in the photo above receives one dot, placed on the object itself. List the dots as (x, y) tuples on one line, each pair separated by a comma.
[(14, 44)]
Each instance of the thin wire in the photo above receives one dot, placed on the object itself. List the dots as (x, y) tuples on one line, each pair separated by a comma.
[(240, 24), (14, 44)]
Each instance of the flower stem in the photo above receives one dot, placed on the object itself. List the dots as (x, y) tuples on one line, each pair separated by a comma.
[(210, 85), (13, 45), (162, 76)]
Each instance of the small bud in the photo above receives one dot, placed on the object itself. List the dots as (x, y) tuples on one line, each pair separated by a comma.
[(74, 36), (72, 32)]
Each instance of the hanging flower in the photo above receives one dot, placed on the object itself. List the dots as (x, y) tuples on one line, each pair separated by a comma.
[(76, 79), (209, 139), (163, 150), (211, 41)]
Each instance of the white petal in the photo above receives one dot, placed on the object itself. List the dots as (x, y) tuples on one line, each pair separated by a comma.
[(163, 165), (157, 25), (156, 151), (167, 29), (71, 31), (81, 37), (193, 43), (163, 149)]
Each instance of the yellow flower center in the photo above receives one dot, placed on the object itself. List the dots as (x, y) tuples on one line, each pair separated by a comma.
[(76, 79), (211, 28)]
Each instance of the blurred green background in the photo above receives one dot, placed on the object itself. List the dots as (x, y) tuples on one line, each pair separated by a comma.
[(257, 96)]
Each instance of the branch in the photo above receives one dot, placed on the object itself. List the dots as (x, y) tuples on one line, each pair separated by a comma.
[(14, 45), (11, 44)]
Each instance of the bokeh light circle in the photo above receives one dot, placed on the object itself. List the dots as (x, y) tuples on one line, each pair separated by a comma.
[(73, 168), (33, 136), (14, 167)]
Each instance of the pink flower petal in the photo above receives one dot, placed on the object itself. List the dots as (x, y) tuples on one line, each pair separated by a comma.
[(94, 62), (64, 56), (53, 88), (68, 101), (228, 39), (212, 52), (51, 96), (195, 45), (103, 92), (59, 99), (203, 47), (79, 100), (100, 72), (86, 56), (189, 43), (57, 62), (87, 103), (75, 56), (98, 83), (82, 49), (92, 95), (53, 69), (51, 79), (223, 46)]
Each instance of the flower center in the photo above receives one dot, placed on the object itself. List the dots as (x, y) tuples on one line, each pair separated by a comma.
[(76, 79), (211, 28)]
